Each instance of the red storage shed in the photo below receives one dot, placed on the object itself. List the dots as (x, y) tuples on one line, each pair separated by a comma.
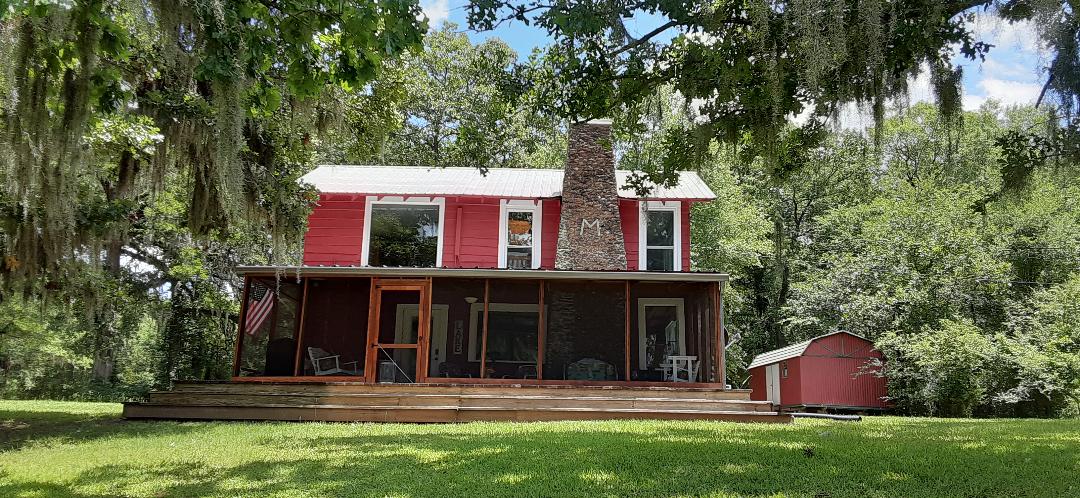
[(825, 372)]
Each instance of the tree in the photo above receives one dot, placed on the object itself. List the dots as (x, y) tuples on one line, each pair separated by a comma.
[(453, 104), (107, 101), (750, 65)]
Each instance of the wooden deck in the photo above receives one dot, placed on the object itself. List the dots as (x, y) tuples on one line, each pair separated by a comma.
[(356, 402)]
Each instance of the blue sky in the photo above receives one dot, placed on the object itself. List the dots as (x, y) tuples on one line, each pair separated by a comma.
[(1009, 74)]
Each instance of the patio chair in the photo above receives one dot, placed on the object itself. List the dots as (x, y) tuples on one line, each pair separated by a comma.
[(330, 364)]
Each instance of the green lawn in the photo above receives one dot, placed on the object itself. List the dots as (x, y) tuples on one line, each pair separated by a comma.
[(85, 449)]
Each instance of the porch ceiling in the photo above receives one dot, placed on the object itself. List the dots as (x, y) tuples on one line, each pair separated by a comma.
[(366, 271)]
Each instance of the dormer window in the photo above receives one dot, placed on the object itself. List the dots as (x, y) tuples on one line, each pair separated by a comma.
[(519, 234), (659, 231)]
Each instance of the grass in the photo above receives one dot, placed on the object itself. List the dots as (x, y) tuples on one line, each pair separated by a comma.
[(87, 450)]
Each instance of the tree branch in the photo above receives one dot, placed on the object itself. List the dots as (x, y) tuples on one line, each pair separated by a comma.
[(1044, 89), (644, 38)]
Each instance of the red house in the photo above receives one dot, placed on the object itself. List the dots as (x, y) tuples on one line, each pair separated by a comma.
[(825, 372), (435, 286)]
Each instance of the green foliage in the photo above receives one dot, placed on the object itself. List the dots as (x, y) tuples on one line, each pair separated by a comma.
[(904, 260), (749, 65), (943, 371), (452, 104), (1044, 352), (83, 449)]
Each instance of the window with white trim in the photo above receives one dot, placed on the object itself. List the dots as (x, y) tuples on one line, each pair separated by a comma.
[(403, 232), (660, 244), (519, 234)]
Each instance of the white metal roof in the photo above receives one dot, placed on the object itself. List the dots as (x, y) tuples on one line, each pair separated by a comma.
[(521, 183), (789, 352), (384, 271)]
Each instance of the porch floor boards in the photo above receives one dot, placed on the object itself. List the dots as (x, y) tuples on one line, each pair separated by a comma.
[(445, 403)]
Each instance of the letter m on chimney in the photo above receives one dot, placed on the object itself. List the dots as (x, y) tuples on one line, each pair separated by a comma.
[(589, 224)]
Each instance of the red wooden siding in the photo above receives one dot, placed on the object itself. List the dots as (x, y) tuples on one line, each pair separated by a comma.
[(475, 244), (826, 374), (335, 233), (628, 214), (832, 380), (758, 390), (549, 235), (790, 388), (470, 232), (684, 210)]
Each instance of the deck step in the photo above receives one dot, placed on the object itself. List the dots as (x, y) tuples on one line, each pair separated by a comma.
[(515, 390), (352, 401), (410, 414), (226, 398)]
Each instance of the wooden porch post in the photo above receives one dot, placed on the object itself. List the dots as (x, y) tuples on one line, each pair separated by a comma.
[(541, 335), (370, 356), (484, 332), (723, 336), (626, 323), (240, 326), (300, 328), (718, 333), (423, 342)]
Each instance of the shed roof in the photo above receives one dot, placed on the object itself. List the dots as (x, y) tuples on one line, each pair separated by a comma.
[(792, 351), (521, 183)]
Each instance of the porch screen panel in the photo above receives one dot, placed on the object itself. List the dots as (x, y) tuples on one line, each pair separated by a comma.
[(452, 302), (335, 327), (268, 334), (671, 320), (513, 329), (586, 334)]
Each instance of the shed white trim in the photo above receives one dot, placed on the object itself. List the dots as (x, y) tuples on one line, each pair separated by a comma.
[(792, 351)]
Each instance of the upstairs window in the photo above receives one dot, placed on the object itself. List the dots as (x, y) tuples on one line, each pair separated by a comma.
[(519, 234), (403, 233), (660, 244)]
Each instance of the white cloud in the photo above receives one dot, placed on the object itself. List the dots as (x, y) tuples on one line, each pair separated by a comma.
[(437, 11), (972, 102), (919, 87), (1010, 92), (1005, 70), (1005, 35)]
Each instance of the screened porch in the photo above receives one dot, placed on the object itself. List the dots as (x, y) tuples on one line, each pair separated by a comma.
[(440, 326)]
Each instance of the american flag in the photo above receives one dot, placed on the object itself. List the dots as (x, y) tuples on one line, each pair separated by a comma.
[(260, 304)]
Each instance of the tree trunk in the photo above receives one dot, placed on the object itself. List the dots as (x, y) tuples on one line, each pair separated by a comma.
[(105, 314)]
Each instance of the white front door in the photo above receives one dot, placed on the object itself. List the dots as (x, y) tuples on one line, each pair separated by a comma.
[(772, 383), (407, 315)]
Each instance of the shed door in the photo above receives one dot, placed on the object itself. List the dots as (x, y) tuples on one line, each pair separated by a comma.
[(772, 383)]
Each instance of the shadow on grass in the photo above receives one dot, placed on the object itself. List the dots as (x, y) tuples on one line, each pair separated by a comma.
[(19, 428), (906, 458)]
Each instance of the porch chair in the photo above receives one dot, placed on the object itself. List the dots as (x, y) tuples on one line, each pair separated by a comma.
[(679, 368), (320, 359)]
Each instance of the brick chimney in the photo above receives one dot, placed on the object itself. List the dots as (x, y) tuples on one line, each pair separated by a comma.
[(590, 230)]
